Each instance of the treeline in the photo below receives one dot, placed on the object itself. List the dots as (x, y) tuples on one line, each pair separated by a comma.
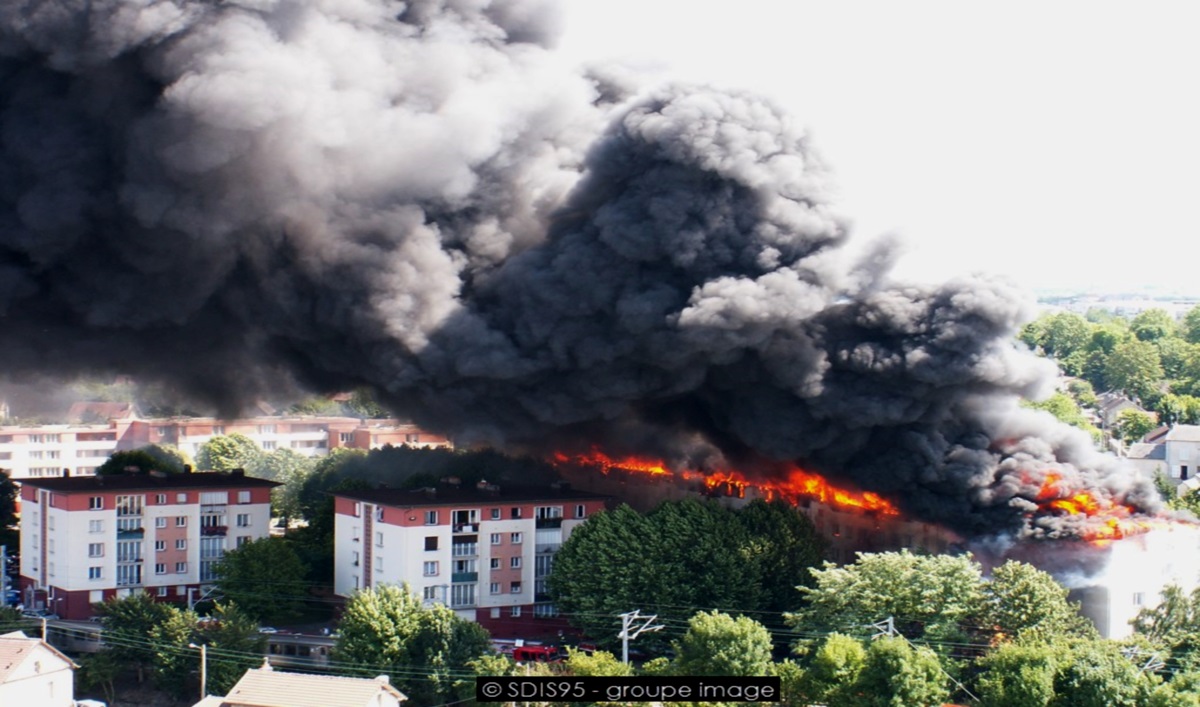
[(1151, 358)]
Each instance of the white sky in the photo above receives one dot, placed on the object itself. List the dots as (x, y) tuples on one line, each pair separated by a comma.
[(1054, 143)]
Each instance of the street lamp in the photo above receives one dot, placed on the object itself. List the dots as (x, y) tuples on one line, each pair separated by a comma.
[(203, 667)]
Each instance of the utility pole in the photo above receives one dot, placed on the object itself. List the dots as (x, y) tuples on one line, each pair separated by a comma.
[(629, 632), (203, 668)]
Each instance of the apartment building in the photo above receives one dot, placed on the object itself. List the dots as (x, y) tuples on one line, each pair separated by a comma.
[(45, 451), (484, 550), (86, 539)]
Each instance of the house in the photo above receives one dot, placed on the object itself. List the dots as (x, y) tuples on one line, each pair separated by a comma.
[(85, 539), (266, 687), (483, 549), (1176, 454), (32, 672), (1109, 407)]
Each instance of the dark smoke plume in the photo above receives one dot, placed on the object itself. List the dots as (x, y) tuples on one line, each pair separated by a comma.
[(234, 196)]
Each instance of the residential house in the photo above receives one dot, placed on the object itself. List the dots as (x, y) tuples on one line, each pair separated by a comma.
[(85, 539), (485, 550), (33, 672), (266, 687), (1175, 454)]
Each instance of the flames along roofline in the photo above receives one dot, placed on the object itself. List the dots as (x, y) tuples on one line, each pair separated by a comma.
[(445, 495), (134, 482)]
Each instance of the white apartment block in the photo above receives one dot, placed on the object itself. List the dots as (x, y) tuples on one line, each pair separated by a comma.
[(86, 539), (47, 451), (483, 550)]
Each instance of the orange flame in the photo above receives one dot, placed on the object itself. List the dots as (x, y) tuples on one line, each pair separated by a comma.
[(1113, 520), (798, 484)]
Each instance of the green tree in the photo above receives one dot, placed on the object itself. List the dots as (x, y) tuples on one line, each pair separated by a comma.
[(1134, 366), (228, 452), (928, 596), (1133, 424), (1182, 690), (785, 545), (1017, 675), (290, 469), (1096, 674), (1083, 393), (265, 578), (1190, 326), (9, 524), (388, 629), (143, 460), (1178, 409), (1064, 334), (173, 660), (833, 670), (1152, 325), (1021, 599), (127, 622), (719, 644), (234, 645), (98, 672), (896, 674)]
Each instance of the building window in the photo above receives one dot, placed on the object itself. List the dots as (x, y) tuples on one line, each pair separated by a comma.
[(378, 562), (514, 562), (379, 513), (95, 549), (266, 429), (160, 568), (95, 503), (181, 544), (581, 511), (180, 567), (181, 498), (354, 559), (95, 573), (357, 509), (431, 517), (495, 613), (544, 611), (95, 526), (431, 542), (51, 545), (162, 591), (268, 446), (495, 538), (515, 612), (1139, 598), (514, 588), (515, 538), (243, 520), (242, 540), (160, 522), (495, 514), (378, 539), (495, 563), (430, 593), (494, 587), (516, 513), (243, 496), (1183, 471), (462, 595), (180, 521), (160, 545), (431, 569), (160, 499)]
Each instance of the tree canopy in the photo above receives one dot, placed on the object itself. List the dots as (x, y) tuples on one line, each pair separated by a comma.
[(387, 629), (143, 460), (265, 578)]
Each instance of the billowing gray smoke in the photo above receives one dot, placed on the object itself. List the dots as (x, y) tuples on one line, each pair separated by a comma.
[(416, 197)]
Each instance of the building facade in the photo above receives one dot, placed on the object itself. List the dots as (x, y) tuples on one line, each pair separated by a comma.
[(483, 550), (47, 451), (33, 672), (87, 539)]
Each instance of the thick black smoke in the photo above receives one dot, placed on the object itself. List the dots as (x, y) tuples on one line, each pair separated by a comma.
[(232, 196)]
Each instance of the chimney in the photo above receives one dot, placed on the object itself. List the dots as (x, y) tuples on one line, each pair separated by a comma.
[(66, 473), (238, 472), (187, 468), (383, 680)]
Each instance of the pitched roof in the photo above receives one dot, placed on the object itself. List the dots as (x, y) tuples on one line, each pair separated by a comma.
[(81, 412), (1143, 450), (16, 648), (149, 482), (266, 687), (1184, 433)]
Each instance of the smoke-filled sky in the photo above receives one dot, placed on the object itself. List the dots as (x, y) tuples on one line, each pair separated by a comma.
[(425, 199), (1052, 142)]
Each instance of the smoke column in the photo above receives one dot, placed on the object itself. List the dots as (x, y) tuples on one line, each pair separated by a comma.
[(418, 197)]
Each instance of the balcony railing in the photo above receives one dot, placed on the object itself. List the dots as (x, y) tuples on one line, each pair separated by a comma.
[(547, 548), (465, 549), (464, 577), (548, 523), (466, 527), (130, 533), (214, 530)]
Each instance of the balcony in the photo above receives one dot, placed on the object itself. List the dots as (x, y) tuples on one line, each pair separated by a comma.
[(220, 530), (464, 577), (465, 527), (131, 533), (548, 523)]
